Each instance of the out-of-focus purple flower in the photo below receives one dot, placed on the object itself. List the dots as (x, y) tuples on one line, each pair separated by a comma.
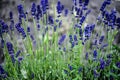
[(108, 61), (103, 46), (3, 73), (21, 12), (55, 27), (79, 70), (32, 37), (12, 25), (44, 4), (60, 23), (86, 2), (4, 27), (75, 38), (10, 48), (70, 67), (39, 12), (80, 2), (20, 59), (88, 12), (101, 39), (33, 9), (11, 15), (12, 58), (64, 49), (62, 38), (70, 37), (59, 7), (118, 22), (102, 64), (66, 12), (86, 56), (18, 53), (2, 43), (75, 2), (38, 27), (20, 30), (50, 20), (32, 76), (88, 30), (95, 53), (96, 74), (80, 32), (109, 56), (82, 20), (105, 3), (28, 29), (65, 71), (118, 64)]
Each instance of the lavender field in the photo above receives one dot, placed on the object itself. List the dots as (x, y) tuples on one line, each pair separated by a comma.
[(55, 40)]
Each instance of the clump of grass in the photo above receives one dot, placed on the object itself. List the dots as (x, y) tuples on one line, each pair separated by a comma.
[(36, 54)]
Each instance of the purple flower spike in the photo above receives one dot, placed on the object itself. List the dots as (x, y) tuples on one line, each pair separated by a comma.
[(95, 53), (18, 53), (118, 64), (59, 7), (62, 38), (11, 15), (33, 9), (102, 64), (70, 67)]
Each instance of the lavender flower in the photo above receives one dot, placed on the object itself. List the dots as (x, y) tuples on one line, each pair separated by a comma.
[(50, 20), (38, 27), (101, 39), (21, 13), (66, 12), (32, 76), (11, 15), (65, 71), (105, 3), (3, 73), (95, 53), (20, 59), (103, 46), (20, 30), (80, 2), (75, 2), (12, 25), (109, 56), (102, 64), (12, 58), (75, 38), (44, 4), (86, 2), (2, 43), (10, 48), (79, 70), (33, 9), (18, 53), (108, 62), (70, 37), (86, 56), (28, 29), (59, 7), (55, 27), (39, 12), (96, 74), (70, 67), (62, 38), (4, 26), (118, 64)]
